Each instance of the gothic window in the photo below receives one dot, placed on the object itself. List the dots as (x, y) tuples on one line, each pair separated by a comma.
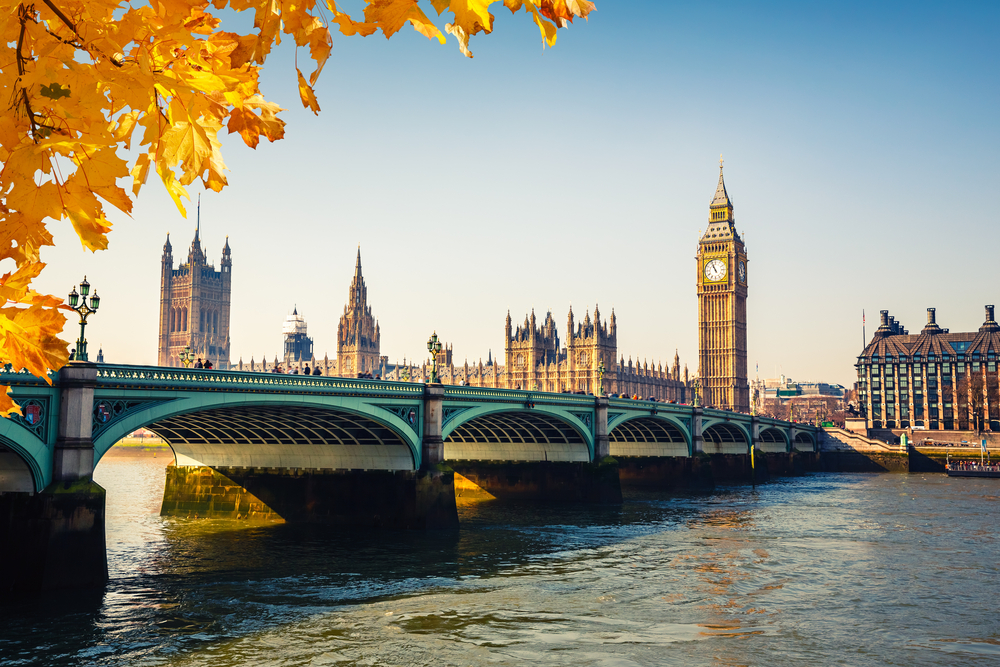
[(215, 322), (520, 361), (185, 318), (201, 320), (172, 321)]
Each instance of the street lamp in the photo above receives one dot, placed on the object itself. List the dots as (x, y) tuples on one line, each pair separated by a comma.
[(186, 356), (84, 310), (600, 375), (434, 346), (695, 385)]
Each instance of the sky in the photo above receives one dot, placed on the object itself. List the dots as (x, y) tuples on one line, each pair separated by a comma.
[(860, 143)]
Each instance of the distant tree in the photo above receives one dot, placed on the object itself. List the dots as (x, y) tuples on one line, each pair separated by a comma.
[(976, 399), (992, 396)]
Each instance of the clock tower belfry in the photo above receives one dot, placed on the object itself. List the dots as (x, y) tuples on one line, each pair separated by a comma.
[(722, 308)]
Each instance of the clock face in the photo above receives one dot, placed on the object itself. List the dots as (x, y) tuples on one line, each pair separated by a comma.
[(715, 270), (743, 272)]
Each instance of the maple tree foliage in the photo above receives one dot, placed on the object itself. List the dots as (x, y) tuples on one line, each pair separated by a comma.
[(87, 82)]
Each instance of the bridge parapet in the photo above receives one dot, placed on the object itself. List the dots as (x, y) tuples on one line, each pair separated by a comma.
[(180, 378)]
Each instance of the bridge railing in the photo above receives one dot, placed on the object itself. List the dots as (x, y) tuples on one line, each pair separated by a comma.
[(116, 375), (518, 395)]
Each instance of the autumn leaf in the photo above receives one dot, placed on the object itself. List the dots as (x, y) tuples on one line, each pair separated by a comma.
[(307, 94)]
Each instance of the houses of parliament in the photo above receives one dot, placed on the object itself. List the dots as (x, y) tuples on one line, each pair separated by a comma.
[(194, 314)]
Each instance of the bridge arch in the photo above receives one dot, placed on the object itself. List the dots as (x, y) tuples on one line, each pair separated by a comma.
[(724, 437), (804, 441), (649, 435), (773, 439), (275, 430), (25, 461), (485, 433)]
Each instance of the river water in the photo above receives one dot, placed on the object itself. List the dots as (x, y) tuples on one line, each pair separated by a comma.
[(839, 569)]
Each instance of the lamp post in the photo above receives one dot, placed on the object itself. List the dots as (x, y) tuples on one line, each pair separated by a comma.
[(600, 376), (186, 356), (695, 385), (434, 346), (81, 307)]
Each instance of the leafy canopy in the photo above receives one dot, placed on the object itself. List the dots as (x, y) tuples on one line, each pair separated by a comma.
[(87, 80)]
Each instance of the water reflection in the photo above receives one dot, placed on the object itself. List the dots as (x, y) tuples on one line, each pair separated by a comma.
[(854, 569)]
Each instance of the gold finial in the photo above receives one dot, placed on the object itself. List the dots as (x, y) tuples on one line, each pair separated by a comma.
[(720, 161)]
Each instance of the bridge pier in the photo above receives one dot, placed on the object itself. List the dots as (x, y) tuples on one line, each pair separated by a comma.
[(431, 444), (697, 437), (54, 539)]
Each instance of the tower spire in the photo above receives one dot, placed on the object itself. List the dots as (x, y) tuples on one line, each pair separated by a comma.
[(197, 229), (721, 196)]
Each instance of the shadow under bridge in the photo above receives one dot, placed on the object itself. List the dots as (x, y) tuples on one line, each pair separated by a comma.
[(647, 436), (516, 436), (268, 436)]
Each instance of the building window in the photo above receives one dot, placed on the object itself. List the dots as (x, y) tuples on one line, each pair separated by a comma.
[(991, 366), (975, 366)]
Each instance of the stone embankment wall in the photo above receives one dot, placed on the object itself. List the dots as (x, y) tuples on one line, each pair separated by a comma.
[(545, 481), (706, 471), (846, 451), (354, 498)]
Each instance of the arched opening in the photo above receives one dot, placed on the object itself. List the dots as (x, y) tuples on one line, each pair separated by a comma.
[(647, 436), (773, 440), (725, 439), (804, 442), (516, 436), (283, 437), (15, 474)]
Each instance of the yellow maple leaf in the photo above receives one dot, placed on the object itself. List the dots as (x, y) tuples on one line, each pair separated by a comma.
[(306, 94)]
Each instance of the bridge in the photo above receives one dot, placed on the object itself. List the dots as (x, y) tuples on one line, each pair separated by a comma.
[(342, 451)]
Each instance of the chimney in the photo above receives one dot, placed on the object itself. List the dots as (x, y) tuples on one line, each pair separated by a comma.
[(989, 313), (930, 316), (885, 317)]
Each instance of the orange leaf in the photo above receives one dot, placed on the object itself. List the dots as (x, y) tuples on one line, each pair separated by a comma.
[(307, 94)]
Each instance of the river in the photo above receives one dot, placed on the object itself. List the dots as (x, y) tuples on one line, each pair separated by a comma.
[(837, 569)]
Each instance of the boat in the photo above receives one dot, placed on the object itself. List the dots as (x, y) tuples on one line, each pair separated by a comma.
[(972, 469)]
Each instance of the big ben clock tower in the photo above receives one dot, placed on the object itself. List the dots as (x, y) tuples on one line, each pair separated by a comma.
[(722, 309)]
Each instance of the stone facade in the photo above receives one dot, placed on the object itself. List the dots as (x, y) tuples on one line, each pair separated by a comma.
[(935, 380), (534, 358), (722, 310), (194, 306), (358, 332)]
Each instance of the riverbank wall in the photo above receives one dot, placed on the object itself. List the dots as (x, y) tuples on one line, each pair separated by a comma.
[(706, 471), (350, 498), (543, 481)]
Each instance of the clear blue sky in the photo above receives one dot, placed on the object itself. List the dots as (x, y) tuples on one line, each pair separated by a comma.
[(860, 140)]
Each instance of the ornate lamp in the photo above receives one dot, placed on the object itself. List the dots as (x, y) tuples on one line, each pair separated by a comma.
[(600, 375), (434, 347), (186, 356), (84, 310)]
